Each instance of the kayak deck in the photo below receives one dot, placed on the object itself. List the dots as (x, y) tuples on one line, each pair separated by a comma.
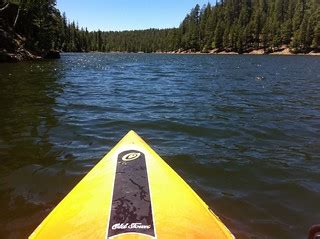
[(132, 193)]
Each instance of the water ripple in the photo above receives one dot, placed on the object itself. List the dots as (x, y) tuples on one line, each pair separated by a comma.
[(242, 130)]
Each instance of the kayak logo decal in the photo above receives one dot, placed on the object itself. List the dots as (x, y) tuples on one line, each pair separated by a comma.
[(136, 225), (131, 156), (131, 206)]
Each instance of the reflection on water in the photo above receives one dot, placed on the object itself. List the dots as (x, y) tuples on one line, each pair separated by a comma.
[(27, 97), (242, 130)]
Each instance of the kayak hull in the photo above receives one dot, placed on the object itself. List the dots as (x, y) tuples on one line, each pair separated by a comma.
[(132, 193)]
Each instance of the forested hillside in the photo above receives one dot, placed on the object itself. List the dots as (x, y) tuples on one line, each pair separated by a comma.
[(229, 25), (252, 24)]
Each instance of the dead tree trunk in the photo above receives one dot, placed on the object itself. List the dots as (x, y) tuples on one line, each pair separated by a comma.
[(17, 16), (4, 7)]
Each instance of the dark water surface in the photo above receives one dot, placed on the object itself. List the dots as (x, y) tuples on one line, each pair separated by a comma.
[(243, 131)]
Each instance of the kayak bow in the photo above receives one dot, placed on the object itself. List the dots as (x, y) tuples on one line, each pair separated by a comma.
[(132, 193)]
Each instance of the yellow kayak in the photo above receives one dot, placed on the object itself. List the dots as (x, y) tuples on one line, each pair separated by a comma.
[(132, 193)]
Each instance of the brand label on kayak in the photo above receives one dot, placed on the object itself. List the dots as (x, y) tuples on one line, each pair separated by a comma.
[(131, 156), (131, 209)]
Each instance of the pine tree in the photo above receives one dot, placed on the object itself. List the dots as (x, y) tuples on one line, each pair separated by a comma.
[(286, 32), (298, 15), (316, 37), (218, 36)]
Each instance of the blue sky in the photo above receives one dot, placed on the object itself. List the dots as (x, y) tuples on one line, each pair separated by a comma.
[(118, 15)]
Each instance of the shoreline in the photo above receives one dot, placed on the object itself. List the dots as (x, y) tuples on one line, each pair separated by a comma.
[(23, 55), (284, 51), (200, 53)]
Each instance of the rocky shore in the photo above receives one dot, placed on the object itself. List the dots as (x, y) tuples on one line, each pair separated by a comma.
[(12, 49), (283, 50), (21, 54)]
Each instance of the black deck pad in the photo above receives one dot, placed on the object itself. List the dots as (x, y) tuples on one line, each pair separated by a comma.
[(131, 209)]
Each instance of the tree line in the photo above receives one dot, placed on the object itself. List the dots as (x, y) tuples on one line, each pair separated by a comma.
[(243, 25), (229, 25)]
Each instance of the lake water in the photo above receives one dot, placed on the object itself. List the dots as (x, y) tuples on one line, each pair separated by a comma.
[(243, 131)]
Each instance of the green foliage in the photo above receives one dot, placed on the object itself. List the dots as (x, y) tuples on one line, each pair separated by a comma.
[(316, 37), (231, 25), (218, 36)]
